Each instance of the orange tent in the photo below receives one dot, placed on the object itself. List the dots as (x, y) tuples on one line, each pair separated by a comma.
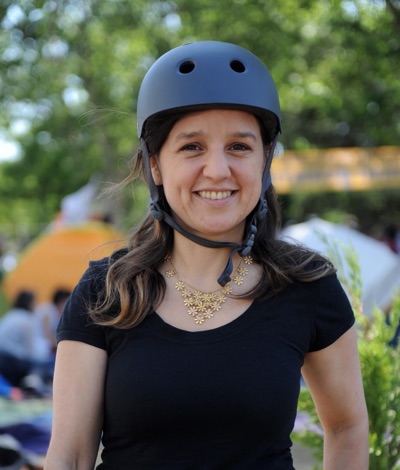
[(57, 259)]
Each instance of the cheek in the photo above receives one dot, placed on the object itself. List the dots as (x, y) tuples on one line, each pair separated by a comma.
[(254, 185), (256, 192), (172, 190), (254, 179)]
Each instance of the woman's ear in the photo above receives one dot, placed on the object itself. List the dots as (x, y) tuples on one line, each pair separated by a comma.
[(155, 172)]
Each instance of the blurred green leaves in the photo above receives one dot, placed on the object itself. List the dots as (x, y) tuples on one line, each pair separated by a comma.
[(71, 70)]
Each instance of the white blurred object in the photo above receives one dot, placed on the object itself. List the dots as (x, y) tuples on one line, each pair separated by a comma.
[(77, 207), (379, 266), (8, 262)]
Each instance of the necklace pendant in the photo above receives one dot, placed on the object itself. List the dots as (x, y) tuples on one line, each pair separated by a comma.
[(200, 305), (238, 280)]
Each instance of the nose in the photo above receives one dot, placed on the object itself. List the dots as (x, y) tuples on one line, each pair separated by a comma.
[(216, 165)]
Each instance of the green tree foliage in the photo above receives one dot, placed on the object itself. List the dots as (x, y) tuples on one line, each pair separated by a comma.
[(370, 211), (71, 69)]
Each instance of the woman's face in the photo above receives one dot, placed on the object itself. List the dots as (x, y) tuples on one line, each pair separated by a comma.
[(211, 169)]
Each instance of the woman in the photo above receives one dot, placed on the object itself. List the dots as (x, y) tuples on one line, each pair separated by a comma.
[(185, 349)]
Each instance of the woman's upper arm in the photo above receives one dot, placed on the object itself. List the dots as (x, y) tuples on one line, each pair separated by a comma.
[(78, 396), (333, 376)]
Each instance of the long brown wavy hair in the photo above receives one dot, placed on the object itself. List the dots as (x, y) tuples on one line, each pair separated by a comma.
[(134, 286)]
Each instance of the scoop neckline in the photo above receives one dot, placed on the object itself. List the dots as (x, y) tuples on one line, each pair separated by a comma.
[(174, 333)]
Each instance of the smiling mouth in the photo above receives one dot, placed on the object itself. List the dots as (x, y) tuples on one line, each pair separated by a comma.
[(215, 194)]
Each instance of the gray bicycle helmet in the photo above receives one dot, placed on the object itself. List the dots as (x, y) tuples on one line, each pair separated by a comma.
[(203, 75)]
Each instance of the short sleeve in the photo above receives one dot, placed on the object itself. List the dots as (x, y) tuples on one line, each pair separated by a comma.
[(333, 313), (75, 323)]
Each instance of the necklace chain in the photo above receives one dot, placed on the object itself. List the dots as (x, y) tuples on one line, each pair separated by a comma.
[(202, 305)]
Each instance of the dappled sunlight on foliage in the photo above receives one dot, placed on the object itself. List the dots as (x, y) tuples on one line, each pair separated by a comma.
[(73, 70)]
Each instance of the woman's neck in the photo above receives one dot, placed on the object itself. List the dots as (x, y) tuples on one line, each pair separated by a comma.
[(198, 265)]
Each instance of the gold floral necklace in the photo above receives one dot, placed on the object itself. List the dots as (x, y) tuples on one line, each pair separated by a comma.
[(202, 305)]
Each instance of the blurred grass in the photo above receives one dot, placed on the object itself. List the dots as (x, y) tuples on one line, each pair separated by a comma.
[(4, 304)]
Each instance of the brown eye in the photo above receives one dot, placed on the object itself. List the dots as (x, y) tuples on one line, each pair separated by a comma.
[(240, 147), (190, 147)]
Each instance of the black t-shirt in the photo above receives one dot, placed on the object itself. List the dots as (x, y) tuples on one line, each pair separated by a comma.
[(219, 399)]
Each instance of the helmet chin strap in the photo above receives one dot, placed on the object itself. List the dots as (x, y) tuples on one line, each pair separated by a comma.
[(243, 249)]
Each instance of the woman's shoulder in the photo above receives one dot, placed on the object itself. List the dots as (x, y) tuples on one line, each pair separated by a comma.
[(295, 256), (93, 278), (102, 265), (321, 264), (99, 266)]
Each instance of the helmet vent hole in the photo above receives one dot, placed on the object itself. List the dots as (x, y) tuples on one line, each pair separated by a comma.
[(237, 66), (187, 67)]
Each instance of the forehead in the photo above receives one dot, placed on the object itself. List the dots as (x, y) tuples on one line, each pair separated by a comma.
[(217, 120)]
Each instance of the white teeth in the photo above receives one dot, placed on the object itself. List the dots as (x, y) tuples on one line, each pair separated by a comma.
[(215, 194)]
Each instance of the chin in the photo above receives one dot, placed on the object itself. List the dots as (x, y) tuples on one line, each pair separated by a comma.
[(216, 230)]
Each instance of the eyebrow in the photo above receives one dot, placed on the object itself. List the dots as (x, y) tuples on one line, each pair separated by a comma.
[(190, 135), (244, 135)]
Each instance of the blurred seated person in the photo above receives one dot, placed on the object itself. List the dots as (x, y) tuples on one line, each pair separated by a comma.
[(47, 315), (19, 352), (391, 237)]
